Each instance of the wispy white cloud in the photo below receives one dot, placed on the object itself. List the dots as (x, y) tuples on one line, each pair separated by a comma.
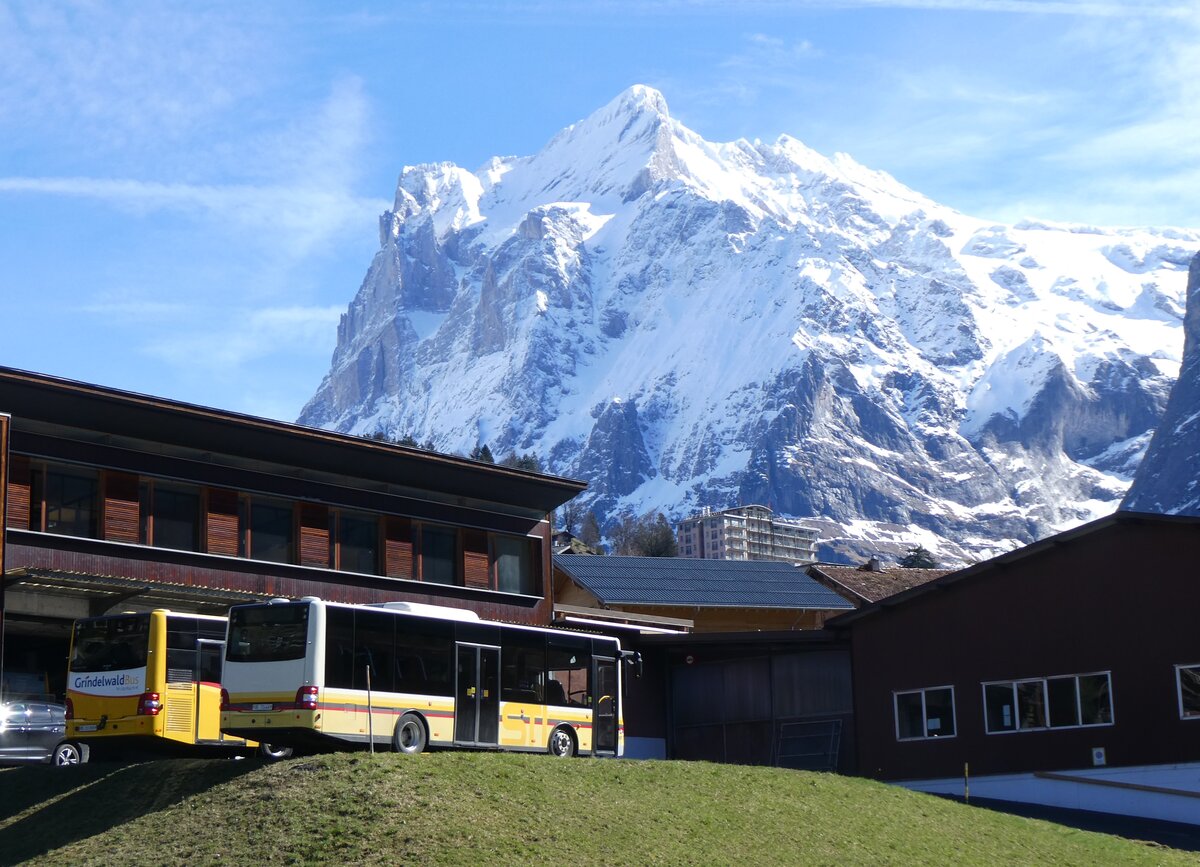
[(124, 75), (302, 197), (553, 8), (1099, 8), (240, 336), (1074, 117), (132, 307), (771, 51), (298, 217)]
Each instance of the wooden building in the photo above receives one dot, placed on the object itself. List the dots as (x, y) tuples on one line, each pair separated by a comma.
[(119, 501), (737, 667), (756, 698), (713, 595), (1078, 651)]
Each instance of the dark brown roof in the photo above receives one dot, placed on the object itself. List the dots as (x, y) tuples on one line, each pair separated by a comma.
[(1001, 562), (860, 584), (40, 401)]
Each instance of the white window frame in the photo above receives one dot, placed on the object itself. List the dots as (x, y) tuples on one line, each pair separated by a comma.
[(1044, 681), (924, 713), (1179, 691)]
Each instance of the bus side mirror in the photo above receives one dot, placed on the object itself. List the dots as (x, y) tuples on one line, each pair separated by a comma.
[(633, 659)]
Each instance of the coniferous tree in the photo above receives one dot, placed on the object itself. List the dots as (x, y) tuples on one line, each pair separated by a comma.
[(918, 557), (527, 461), (644, 536), (482, 453), (589, 531)]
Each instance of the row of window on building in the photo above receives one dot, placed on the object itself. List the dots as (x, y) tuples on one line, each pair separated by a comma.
[(1034, 704), (71, 500)]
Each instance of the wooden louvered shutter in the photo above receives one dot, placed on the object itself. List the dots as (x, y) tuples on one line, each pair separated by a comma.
[(17, 510), (314, 535), (476, 563), (222, 522), (398, 547), (120, 507)]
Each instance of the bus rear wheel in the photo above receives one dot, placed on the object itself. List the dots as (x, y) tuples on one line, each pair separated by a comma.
[(273, 753), (562, 743), (410, 735)]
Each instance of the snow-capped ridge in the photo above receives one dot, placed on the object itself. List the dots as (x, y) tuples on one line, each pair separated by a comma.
[(779, 326)]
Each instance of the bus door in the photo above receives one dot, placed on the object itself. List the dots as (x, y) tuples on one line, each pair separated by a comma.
[(477, 696), (209, 653), (604, 710)]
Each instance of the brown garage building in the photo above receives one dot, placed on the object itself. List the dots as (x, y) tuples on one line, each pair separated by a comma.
[(1079, 650)]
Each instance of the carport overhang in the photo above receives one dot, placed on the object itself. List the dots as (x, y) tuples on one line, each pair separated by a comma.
[(31, 592)]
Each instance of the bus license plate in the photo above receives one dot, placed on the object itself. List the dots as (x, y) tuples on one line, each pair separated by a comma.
[(87, 728), (262, 707)]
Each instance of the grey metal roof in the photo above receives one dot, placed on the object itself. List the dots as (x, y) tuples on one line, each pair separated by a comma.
[(703, 583)]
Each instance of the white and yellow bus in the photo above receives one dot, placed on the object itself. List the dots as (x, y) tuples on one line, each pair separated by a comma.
[(147, 680), (313, 673)]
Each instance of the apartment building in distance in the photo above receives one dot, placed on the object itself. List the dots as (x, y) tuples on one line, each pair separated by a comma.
[(746, 533)]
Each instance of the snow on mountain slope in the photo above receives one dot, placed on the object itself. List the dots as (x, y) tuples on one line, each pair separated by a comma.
[(684, 323)]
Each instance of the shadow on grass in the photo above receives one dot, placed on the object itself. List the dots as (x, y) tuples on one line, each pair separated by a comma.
[(1174, 835), (43, 808)]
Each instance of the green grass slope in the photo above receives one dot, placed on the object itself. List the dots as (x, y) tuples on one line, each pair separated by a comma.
[(488, 808)]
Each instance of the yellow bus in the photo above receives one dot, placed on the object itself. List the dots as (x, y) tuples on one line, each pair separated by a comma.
[(147, 680), (315, 673)]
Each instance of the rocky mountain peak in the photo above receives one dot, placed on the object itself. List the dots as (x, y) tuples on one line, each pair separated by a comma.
[(781, 327), (1167, 480)]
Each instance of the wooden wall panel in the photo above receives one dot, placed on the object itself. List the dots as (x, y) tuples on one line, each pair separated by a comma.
[(398, 547), (162, 568), (17, 515), (120, 507), (476, 563), (314, 535), (222, 522)]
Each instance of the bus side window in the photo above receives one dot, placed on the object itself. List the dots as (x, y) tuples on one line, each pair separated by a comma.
[(209, 664), (524, 664), (568, 663), (424, 656), (339, 648), (181, 649), (374, 648)]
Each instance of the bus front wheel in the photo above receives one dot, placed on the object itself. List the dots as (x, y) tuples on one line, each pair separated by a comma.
[(410, 735), (562, 743)]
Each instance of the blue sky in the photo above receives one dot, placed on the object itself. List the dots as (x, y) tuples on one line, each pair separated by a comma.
[(189, 193)]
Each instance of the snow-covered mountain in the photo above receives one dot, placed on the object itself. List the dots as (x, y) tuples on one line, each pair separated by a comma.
[(684, 323), (1168, 480)]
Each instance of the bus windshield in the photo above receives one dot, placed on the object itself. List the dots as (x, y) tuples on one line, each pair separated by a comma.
[(111, 644), (268, 633)]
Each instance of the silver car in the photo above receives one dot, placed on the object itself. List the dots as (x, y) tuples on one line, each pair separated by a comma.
[(35, 731)]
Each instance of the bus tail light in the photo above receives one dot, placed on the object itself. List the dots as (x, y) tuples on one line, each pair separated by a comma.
[(306, 698), (224, 699), (70, 708), (149, 704)]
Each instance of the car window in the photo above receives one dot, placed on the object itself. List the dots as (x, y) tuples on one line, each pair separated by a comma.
[(39, 715), (13, 714)]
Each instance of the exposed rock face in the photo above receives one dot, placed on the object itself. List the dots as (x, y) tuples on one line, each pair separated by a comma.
[(683, 323), (1168, 480)]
